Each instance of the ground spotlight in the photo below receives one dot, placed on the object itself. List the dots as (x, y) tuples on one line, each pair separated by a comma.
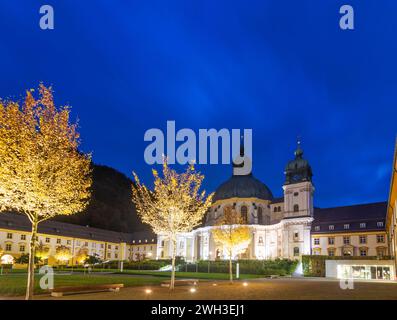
[(192, 290)]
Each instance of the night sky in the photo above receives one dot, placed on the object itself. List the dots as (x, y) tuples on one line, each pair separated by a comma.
[(282, 68)]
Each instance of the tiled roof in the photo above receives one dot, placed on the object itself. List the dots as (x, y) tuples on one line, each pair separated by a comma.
[(370, 214), (20, 222)]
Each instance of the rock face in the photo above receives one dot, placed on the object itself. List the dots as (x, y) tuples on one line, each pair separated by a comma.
[(110, 207)]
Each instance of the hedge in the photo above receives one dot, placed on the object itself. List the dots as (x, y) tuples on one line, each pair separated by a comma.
[(262, 267), (314, 265)]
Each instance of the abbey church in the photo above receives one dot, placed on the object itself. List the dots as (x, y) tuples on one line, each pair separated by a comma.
[(286, 227)]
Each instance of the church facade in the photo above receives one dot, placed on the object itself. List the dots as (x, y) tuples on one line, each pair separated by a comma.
[(280, 228), (286, 227)]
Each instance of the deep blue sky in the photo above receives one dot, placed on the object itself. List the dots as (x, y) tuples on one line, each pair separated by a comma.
[(282, 68)]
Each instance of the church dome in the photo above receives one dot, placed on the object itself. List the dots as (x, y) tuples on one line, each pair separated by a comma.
[(242, 187)]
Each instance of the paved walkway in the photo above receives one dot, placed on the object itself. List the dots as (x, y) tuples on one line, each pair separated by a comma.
[(263, 289)]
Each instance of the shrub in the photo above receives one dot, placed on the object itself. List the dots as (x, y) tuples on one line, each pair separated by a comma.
[(262, 267)]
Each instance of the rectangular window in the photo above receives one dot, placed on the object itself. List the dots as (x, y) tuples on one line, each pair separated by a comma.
[(108, 255), (109, 246), (331, 240), (380, 238), (86, 244), (116, 256), (346, 240), (317, 228), (22, 248), (8, 247), (346, 226), (379, 224), (363, 239), (331, 227), (9, 235), (68, 242), (363, 252), (331, 252), (296, 236), (363, 225), (316, 241), (47, 240), (23, 236), (58, 241), (116, 247)]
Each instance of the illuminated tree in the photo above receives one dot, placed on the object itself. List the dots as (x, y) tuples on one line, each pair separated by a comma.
[(232, 235), (175, 205), (42, 173), (42, 252), (82, 255), (63, 254)]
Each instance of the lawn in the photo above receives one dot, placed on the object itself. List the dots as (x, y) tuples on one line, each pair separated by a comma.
[(15, 285), (190, 275)]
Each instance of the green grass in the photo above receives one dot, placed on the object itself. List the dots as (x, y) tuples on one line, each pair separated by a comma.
[(190, 275), (15, 285)]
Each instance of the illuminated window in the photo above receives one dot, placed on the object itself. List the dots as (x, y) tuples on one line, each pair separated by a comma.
[(331, 252), (363, 239), (317, 228), (363, 225), (363, 252), (379, 224), (346, 240), (331, 240), (346, 226), (68, 242), (316, 241), (331, 227), (260, 240), (380, 238)]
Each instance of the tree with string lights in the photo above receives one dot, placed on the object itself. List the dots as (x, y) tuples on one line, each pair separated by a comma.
[(175, 204), (232, 235), (42, 172)]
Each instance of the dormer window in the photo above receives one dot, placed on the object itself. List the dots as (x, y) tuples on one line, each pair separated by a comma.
[(363, 225), (379, 224), (331, 227), (317, 228)]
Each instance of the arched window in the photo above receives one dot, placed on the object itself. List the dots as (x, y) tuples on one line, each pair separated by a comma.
[(275, 209), (296, 208), (260, 215), (296, 251), (244, 214)]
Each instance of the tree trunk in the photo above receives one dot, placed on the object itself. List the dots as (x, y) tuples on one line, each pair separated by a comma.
[(30, 284), (230, 268), (172, 283)]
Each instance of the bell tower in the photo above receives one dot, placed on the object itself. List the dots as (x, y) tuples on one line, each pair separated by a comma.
[(298, 187)]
